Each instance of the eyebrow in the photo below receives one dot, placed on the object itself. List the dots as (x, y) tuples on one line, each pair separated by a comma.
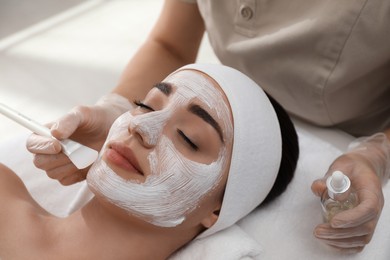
[(164, 87), (203, 114)]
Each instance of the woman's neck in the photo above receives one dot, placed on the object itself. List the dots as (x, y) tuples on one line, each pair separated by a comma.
[(98, 229)]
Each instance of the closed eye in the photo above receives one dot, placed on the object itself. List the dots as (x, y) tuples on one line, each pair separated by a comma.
[(187, 140), (142, 105)]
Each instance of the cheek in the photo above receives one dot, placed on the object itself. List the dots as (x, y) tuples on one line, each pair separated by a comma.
[(186, 179), (176, 187), (120, 126)]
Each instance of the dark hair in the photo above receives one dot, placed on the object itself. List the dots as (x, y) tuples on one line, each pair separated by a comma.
[(290, 153)]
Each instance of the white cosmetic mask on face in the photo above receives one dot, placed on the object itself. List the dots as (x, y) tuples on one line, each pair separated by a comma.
[(175, 184)]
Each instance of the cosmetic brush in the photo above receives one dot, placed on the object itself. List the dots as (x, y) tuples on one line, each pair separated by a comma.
[(80, 155)]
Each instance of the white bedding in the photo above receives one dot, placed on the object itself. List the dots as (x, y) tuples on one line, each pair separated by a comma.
[(77, 56)]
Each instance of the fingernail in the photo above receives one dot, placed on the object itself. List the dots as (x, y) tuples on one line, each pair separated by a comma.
[(318, 233), (322, 233)]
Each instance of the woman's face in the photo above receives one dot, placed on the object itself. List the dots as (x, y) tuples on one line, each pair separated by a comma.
[(163, 157)]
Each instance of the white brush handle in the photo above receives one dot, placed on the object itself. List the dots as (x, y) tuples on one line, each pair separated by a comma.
[(68, 146), (24, 121), (80, 155)]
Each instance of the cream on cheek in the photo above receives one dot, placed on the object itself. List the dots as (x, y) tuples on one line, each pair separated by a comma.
[(176, 184)]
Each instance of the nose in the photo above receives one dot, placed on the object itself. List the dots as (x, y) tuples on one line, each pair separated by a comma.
[(134, 130), (147, 128)]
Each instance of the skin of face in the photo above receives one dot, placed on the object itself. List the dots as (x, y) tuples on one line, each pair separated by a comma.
[(153, 148)]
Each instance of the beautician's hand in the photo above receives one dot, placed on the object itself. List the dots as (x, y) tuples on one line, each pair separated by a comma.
[(87, 125), (367, 165)]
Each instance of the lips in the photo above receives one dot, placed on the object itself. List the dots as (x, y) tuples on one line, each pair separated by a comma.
[(122, 156)]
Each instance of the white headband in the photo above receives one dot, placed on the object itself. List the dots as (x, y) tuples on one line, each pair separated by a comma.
[(257, 144)]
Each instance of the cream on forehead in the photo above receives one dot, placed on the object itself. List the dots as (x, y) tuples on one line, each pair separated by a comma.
[(176, 184), (192, 84), (188, 86)]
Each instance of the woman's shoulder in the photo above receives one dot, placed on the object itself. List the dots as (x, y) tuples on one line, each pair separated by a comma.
[(14, 196), (15, 200), (20, 215), (11, 187)]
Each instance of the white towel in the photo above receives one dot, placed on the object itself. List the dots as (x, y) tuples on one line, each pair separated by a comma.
[(229, 244)]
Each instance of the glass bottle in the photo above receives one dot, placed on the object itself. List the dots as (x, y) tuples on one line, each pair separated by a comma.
[(338, 197)]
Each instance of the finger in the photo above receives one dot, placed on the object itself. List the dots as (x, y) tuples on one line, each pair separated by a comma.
[(73, 178), (327, 232), (365, 211), (355, 242), (42, 145), (48, 162), (62, 172), (350, 250), (318, 187), (66, 125)]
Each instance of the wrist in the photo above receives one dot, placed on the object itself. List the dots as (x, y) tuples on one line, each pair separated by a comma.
[(374, 150), (116, 103)]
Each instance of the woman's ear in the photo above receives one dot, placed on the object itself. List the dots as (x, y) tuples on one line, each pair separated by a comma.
[(210, 220)]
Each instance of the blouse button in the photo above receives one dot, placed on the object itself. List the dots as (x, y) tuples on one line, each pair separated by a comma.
[(246, 12)]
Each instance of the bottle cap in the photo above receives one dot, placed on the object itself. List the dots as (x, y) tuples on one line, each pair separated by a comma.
[(338, 183)]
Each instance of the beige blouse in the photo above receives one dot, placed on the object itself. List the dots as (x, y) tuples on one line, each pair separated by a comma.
[(325, 61)]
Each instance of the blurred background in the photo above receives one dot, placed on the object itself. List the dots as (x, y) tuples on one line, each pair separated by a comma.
[(16, 15)]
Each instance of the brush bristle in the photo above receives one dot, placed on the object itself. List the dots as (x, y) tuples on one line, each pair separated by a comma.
[(83, 157)]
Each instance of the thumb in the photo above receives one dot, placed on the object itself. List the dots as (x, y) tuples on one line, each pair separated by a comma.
[(318, 186), (66, 125)]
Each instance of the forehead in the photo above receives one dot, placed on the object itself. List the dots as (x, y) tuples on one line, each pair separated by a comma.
[(189, 85)]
